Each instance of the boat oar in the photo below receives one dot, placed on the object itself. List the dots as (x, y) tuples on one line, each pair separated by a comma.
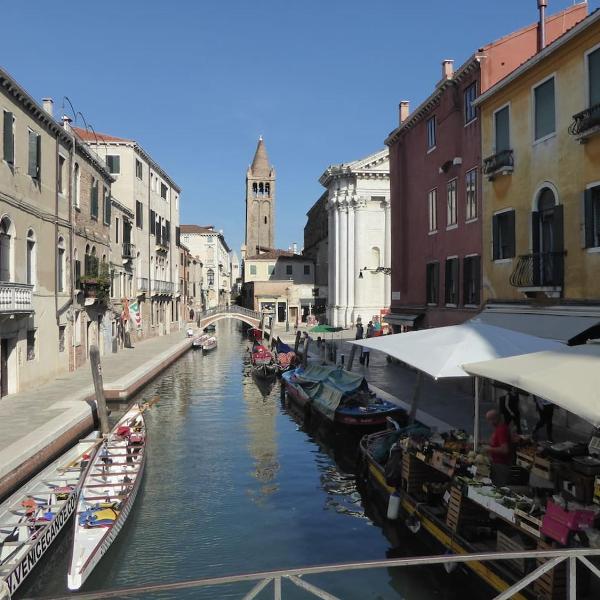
[(80, 456), (149, 404)]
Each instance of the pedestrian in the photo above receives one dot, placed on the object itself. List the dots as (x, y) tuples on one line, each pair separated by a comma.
[(370, 329), (360, 332), (509, 406), (499, 449), (366, 354), (545, 410)]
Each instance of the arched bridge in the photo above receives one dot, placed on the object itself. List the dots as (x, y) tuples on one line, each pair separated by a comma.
[(212, 315)]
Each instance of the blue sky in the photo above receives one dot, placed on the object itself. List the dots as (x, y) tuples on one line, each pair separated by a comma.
[(197, 82)]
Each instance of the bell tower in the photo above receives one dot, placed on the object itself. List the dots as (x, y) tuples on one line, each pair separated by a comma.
[(260, 202)]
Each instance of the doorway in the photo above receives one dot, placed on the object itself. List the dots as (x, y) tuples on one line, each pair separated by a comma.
[(281, 310), (548, 244), (4, 353)]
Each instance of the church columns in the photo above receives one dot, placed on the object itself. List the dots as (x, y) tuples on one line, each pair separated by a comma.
[(359, 233), (351, 275), (343, 264), (336, 263), (331, 258), (387, 253)]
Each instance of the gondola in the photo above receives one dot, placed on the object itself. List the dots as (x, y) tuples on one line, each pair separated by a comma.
[(263, 366), (209, 344)]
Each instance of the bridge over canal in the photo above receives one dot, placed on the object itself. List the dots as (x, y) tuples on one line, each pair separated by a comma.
[(212, 315)]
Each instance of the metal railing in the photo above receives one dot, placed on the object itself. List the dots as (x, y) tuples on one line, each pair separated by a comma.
[(15, 297), (545, 269), (142, 284), (585, 120), (549, 560), (497, 162), (128, 250), (162, 287)]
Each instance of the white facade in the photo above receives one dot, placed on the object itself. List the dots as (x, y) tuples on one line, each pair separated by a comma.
[(359, 224), (212, 250)]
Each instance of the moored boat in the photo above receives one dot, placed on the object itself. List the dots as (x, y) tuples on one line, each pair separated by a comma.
[(108, 492), (32, 517), (339, 396), (262, 362), (198, 341), (210, 343)]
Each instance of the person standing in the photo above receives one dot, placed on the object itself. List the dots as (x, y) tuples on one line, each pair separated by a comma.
[(499, 448), (545, 410), (360, 332), (509, 406), (366, 350)]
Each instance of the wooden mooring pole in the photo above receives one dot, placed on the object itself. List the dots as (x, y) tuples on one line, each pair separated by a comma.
[(305, 354), (99, 389), (297, 342), (351, 358)]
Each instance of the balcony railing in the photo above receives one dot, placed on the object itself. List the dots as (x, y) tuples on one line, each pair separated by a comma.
[(15, 297), (162, 242), (162, 287), (586, 123), (128, 250), (545, 269), (142, 284), (501, 162)]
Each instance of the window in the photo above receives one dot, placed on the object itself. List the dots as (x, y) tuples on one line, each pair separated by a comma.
[(94, 199), (167, 234), (431, 133), (163, 191), (107, 206), (152, 222), (471, 191), (592, 217), (76, 186), (7, 236), (60, 176), (60, 265), (31, 266), (432, 275), (210, 277), (139, 173), (432, 202), (116, 230), (77, 329), (9, 138), (31, 344), (451, 296), (178, 236), (451, 191), (139, 214), (503, 226), (471, 279), (544, 109), (470, 95), (270, 269), (61, 338), (113, 162), (502, 130), (265, 220), (252, 269), (289, 269), (307, 269), (593, 62), (34, 155)]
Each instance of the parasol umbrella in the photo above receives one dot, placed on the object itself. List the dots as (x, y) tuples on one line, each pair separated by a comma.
[(326, 329)]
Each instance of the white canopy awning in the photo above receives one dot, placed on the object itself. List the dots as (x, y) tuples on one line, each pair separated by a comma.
[(567, 376), (441, 351)]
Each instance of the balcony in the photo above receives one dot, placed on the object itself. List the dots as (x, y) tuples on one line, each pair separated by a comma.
[(142, 285), (128, 251), (162, 287), (15, 298), (95, 283), (586, 124), (501, 163), (540, 272), (162, 243)]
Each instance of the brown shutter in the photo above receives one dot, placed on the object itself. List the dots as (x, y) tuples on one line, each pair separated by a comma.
[(9, 136)]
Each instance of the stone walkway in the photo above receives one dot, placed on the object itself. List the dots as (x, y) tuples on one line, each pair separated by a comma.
[(37, 424)]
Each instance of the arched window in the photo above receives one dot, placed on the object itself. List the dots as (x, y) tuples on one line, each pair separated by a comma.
[(268, 189), (76, 185), (375, 257), (60, 265), (261, 189), (7, 236), (31, 257), (265, 220), (255, 188), (77, 272), (210, 277)]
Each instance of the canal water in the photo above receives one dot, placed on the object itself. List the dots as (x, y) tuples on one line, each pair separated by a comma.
[(236, 483)]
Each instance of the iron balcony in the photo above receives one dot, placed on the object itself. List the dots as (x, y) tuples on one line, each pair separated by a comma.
[(586, 123), (501, 163), (539, 270)]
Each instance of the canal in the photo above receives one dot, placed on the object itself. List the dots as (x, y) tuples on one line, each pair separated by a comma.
[(236, 483)]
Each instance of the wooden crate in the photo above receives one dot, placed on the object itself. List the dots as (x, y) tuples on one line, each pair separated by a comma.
[(453, 516), (515, 543), (552, 585), (528, 522), (415, 473), (445, 463), (524, 460), (542, 467)]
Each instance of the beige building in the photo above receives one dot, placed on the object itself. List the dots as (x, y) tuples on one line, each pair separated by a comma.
[(146, 190), (279, 283)]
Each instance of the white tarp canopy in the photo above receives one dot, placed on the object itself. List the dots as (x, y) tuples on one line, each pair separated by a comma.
[(568, 377), (441, 351)]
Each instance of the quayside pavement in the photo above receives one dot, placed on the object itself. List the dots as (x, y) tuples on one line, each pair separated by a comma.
[(38, 424)]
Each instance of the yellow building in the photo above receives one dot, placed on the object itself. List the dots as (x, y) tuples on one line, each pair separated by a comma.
[(541, 134)]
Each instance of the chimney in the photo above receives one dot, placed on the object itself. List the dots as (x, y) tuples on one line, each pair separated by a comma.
[(404, 109), (66, 122), (542, 5), (447, 69), (48, 105)]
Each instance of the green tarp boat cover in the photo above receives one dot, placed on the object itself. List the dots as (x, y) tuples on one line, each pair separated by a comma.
[(326, 385)]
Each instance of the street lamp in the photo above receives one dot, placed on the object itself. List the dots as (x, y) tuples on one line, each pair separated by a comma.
[(384, 270)]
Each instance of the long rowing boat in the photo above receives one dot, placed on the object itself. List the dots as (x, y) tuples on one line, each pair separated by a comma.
[(32, 518), (107, 494)]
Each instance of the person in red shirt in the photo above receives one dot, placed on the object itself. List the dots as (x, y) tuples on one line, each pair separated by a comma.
[(499, 448)]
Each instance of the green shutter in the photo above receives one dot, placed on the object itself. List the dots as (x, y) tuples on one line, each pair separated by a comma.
[(545, 116), (510, 227), (502, 118), (588, 218), (32, 155), (9, 138), (594, 77), (495, 238)]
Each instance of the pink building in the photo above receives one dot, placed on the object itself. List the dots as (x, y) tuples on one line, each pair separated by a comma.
[(435, 173)]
